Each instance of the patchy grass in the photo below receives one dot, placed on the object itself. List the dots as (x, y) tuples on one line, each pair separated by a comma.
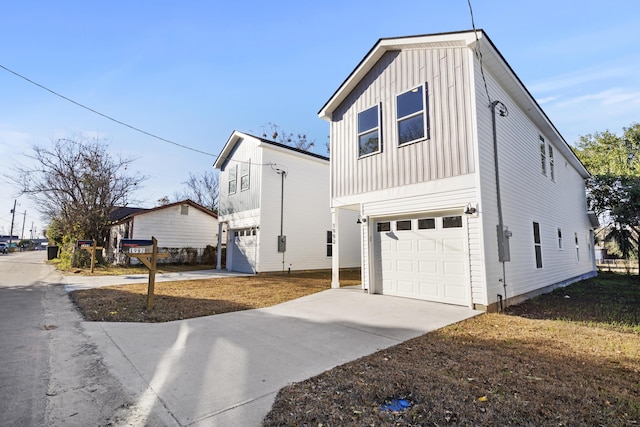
[(551, 361), (116, 270), (196, 298)]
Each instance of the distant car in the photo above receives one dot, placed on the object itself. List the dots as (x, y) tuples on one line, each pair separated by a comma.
[(4, 248)]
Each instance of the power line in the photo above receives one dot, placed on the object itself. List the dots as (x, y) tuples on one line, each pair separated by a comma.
[(104, 115), (478, 52)]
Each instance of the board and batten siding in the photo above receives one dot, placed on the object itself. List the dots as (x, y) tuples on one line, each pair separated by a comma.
[(175, 230), (448, 152), (527, 196), (245, 150)]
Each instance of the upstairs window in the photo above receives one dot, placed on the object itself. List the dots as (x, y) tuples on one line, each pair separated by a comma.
[(552, 170), (369, 131), (543, 155), (184, 209), (244, 175), (233, 181), (411, 115)]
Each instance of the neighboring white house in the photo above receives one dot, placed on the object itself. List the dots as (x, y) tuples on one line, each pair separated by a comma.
[(274, 200), (184, 229), (467, 192)]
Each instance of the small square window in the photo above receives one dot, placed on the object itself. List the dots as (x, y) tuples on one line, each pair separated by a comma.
[(452, 221), (427, 224), (403, 225), (384, 226)]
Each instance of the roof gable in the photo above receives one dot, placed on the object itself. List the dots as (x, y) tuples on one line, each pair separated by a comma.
[(492, 60), (237, 137), (122, 214)]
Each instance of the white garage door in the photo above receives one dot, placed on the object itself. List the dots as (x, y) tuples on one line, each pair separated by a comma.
[(243, 257), (422, 258)]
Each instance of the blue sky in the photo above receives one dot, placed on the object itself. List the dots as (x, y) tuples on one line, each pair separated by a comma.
[(192, 72)]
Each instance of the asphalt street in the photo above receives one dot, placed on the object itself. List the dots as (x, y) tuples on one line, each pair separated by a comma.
[(50, 372)]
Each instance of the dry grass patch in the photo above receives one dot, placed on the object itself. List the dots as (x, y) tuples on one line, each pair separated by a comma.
[(196, 298), (579, 367)]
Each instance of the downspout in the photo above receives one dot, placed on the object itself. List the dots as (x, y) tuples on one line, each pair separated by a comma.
[(501, 253)]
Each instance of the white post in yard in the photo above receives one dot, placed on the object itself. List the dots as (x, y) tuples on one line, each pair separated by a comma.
[(335, 250), (219, 251)]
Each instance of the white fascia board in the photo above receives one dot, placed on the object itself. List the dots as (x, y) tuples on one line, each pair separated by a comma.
[(293, 153), (228, 147)]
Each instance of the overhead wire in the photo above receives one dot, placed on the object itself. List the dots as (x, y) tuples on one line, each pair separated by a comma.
[(478, 52), (105, 115)]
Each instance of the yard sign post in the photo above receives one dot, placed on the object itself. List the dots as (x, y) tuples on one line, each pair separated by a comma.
[(90, 246), (149, 259)]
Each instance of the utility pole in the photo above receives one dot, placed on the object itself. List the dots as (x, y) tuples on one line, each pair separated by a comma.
[(24, 217), (13, 215)]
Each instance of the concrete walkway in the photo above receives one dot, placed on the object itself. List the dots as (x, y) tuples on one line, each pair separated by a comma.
[(72, 283), (226, 370)]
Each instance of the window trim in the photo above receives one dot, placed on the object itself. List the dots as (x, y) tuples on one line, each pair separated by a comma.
[(425, 116), (543, 155), (377, 128), (537, 245), (233, 169), (560, 239), (552, 169), (245, 175)]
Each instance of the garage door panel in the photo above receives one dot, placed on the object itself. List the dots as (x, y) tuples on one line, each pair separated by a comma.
[(427, 245), (453, 245), (427, 264), (428, 267), (404, 266), (404, 246), (453, 268)]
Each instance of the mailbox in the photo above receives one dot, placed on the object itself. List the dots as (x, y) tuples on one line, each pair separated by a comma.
[(85, 243), (136, 246)]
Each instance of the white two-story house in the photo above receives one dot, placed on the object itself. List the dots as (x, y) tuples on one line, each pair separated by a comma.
[(467, 193), (274, 200)]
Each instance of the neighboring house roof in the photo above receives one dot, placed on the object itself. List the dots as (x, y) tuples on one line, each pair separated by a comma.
[(491, 59), (237, 136), (123, 214)]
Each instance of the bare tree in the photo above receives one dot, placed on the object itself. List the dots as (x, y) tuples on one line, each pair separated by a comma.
[(276, 133), (76, 183), (202, 189)]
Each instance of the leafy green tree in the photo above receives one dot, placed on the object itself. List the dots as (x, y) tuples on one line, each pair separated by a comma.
[(614, 187)]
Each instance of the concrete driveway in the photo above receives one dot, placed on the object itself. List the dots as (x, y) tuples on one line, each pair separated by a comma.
[(226, 370)]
